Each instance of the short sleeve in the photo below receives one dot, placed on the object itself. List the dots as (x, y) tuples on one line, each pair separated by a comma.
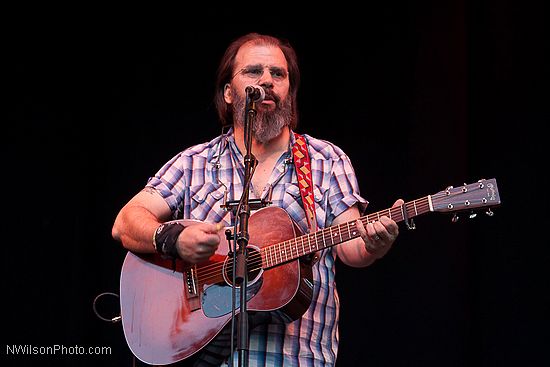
[(169, 182), (344, 189)]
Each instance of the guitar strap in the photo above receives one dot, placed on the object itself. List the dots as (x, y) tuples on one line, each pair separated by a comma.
[(305, 182)]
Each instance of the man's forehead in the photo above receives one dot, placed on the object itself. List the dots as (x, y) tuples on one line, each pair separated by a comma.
[(259, 54)]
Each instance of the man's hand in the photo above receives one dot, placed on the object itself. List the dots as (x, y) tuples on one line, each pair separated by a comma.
[(379, 235), (198, 242)]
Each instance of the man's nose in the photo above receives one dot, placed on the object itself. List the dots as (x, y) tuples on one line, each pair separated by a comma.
[(266, 80)]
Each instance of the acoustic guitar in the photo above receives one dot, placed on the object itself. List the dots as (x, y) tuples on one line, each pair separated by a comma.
[(171, 311)]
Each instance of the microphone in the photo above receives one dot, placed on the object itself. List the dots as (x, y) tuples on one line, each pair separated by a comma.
[(255, 93)]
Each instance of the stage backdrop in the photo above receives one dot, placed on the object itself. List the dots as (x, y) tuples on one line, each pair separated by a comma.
[(420, 97)]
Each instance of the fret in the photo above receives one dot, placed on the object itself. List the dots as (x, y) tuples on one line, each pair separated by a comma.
[(335, 234), (289, 249), (280, 255), (316, 246), (265, 260), (303, 249), (316, 238), (415, 211), (340, 233), (389, 213), (355, 231), (349, 232), (378, 215), (291, 242), (324, 243), (271, 255), (274, 254)]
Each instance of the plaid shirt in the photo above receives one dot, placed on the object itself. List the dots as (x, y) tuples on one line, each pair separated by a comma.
[(195, 183)]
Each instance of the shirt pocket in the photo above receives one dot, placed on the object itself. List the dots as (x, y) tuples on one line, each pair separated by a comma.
[(293, 204), (206, 202)]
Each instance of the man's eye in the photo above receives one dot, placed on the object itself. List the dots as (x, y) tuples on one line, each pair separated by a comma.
[(253, 72)]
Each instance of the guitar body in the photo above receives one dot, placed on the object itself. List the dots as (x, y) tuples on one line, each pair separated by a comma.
[(168, 315)]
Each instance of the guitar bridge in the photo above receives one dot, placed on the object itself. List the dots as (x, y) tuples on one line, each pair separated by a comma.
[(191, 280), (191, 283)]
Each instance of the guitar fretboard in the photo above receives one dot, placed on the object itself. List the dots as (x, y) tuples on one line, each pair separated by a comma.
[(294, 248)]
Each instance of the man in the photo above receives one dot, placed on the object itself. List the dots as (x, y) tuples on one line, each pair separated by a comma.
[(195, 183)]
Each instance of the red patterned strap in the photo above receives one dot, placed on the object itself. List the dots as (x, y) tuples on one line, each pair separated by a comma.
[(305, 182)]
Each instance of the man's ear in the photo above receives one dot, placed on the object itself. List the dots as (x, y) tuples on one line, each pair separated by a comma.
[(227, 96)]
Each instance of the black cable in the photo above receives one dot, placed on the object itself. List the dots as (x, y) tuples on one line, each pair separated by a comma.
[(94, 305)]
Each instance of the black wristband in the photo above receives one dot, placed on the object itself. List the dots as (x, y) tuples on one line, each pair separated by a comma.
[(165, 239)]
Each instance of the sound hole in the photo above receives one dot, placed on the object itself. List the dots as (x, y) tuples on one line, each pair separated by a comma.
[(253, 265)]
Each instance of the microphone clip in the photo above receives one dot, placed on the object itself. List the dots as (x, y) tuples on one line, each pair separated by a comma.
[(255, 93)]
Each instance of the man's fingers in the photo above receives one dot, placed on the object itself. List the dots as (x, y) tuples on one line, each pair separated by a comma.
[(391, 226), (213, 228), (398, 202)]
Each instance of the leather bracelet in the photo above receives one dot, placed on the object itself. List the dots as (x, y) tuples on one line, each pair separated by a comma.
[(165, 239)]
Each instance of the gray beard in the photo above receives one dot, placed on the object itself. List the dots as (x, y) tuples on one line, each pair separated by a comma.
[(268, 124)]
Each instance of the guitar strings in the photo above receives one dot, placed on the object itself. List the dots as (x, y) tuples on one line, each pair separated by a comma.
[(293, 244), (326, 233), (211, 273)]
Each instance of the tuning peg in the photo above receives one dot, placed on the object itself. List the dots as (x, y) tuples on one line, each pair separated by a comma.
[(472, 215), (489, 212), (455, 218), (448, 190)]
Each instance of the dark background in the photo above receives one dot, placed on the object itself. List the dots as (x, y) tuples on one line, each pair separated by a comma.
[(420, 96)]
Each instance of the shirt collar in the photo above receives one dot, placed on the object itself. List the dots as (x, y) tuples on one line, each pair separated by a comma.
[(228, 139)]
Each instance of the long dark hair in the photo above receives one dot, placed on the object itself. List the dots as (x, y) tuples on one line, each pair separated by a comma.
[(226, 72)]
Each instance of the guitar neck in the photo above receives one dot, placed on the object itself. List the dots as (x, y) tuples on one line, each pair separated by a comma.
[(292, 249)]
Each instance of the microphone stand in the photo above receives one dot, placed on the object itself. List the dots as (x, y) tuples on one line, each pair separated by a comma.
[(241, 271)]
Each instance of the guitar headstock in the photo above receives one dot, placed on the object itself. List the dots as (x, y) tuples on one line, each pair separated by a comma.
[(482, 194)]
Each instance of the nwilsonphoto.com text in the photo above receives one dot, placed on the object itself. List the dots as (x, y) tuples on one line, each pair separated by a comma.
[(56, 349)]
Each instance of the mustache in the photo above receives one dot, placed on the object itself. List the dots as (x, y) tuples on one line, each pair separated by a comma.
[(270, 95)]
